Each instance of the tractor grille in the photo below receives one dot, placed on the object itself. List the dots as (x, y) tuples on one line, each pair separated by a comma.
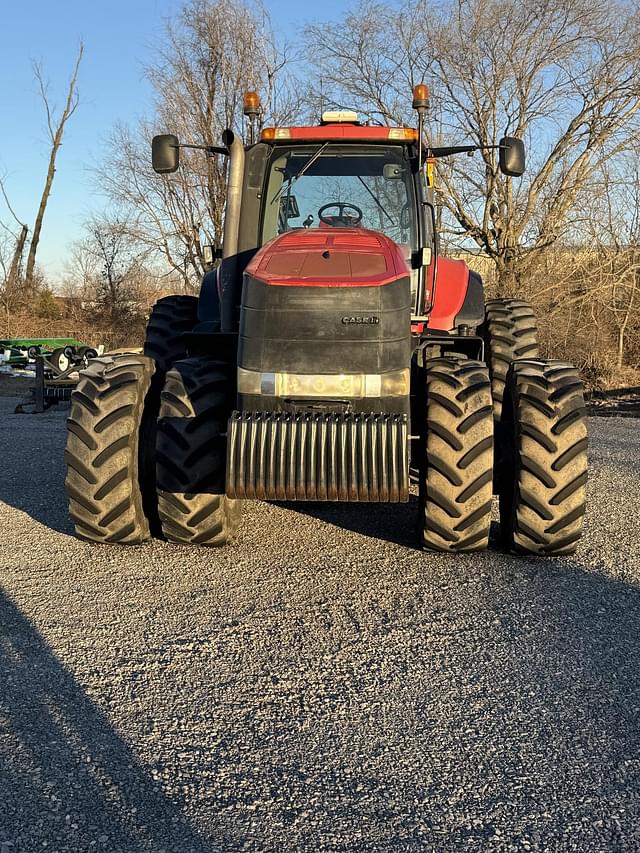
[(317, 457)]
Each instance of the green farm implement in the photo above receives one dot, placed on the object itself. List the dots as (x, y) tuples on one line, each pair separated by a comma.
[(60, 352)]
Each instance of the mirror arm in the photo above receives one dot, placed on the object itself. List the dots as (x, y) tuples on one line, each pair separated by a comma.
[(210, 149), (459, 149)]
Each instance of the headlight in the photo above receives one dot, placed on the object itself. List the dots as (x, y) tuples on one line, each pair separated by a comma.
[(332, 385)]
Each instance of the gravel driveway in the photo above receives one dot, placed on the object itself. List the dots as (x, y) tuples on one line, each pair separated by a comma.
[(319, 685)]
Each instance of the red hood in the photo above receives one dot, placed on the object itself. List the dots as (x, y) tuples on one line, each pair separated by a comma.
[(336, 257)]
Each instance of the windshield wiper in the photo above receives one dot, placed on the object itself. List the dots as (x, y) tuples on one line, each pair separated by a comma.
[(300, 173), (376, 199)]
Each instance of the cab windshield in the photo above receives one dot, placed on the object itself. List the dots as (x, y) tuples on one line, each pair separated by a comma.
[(328, 185)]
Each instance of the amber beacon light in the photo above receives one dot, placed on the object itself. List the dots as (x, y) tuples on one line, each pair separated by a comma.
[(420, 96), (251, 108), (420, 105), (251, 104)]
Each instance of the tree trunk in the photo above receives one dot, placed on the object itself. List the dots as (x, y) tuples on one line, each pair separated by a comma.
[(508, 283), (16, 262), (33, 248), (620, 348), (56, 142)]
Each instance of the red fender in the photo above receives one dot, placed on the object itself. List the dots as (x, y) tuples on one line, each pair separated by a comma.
[(451, 289)]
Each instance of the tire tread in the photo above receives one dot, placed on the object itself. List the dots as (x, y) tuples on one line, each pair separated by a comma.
[(170, 319), (542, 504), (102, 451), (456, 468), (510, 333), (191, 453)]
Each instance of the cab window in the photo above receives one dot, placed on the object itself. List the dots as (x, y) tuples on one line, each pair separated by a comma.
[(337, 186)]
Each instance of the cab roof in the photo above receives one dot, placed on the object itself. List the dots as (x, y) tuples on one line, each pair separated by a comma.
[(341, 131)]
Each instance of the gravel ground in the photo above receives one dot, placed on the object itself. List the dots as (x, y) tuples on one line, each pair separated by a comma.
[(319, 685)]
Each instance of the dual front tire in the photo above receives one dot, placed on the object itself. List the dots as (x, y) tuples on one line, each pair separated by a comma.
[(107, 468), (146, 452), (146, 445), (542, 490), (121, 491), (456, 456), (542, 469)]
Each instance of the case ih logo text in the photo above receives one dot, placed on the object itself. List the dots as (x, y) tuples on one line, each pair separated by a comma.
[(361, 321)]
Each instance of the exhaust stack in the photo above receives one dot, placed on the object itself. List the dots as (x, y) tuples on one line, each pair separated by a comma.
[(234, 193)]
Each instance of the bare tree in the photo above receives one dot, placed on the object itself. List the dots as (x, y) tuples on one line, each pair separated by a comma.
[(12, 274), (213, 52), (371, 59), (563, 74), (108, 283), (56, 127), (11, 253), (600, 272)]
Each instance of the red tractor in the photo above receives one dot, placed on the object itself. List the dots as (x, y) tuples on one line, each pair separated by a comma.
[(332, 355)]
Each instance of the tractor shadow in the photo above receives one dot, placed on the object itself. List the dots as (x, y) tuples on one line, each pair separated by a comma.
[(394, 523), (63, 765)]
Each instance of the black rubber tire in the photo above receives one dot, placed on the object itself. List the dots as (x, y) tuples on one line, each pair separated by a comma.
[(191, 451), (170, 319), (510, 332), (544, 427), (106, 482), (86, 353), (456, 465), (59, 359)]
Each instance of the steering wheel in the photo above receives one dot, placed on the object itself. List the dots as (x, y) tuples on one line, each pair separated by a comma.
[(347, 220)]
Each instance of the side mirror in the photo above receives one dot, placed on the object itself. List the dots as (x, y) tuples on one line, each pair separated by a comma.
[(421, 258), (392, 172), (512, 158), (211, 254), (292, 211), (165, 153)]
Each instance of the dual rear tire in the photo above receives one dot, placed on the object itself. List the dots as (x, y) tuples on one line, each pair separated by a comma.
[(171, 320), (510, 333)]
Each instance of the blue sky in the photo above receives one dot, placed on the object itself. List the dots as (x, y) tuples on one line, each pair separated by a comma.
[(119, 38)]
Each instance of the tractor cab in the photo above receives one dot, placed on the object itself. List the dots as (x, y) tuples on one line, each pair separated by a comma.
[(345, 175), (345, 184)]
